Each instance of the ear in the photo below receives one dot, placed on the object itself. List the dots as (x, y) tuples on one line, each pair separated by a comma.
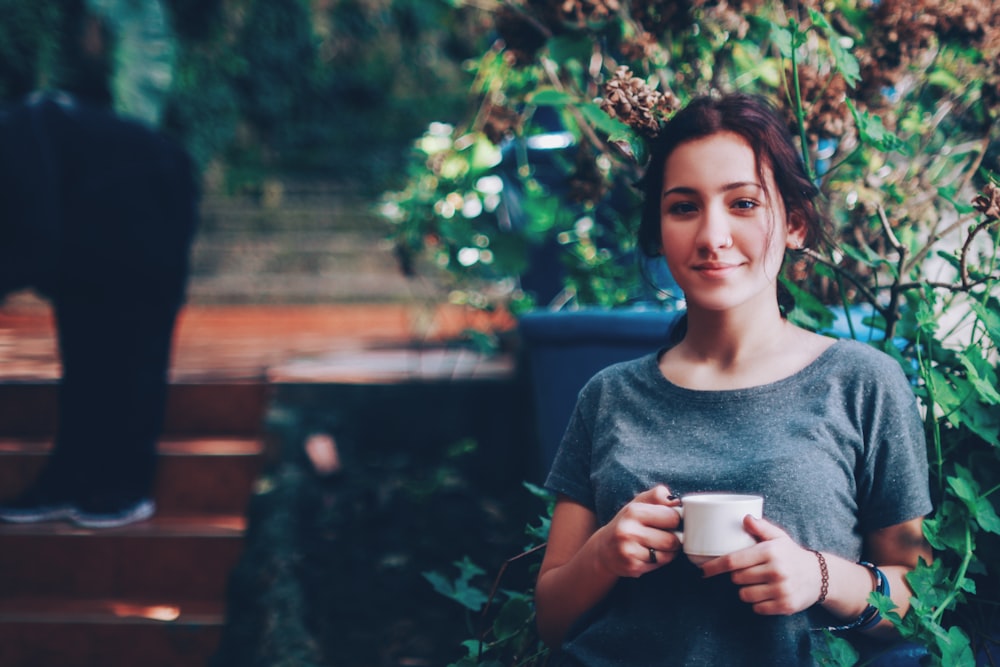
[(796, 238)]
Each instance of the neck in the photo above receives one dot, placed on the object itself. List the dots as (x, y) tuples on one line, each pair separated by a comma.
[(729, 337)]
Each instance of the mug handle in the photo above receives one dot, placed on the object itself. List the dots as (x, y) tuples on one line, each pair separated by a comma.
[(679, 533)]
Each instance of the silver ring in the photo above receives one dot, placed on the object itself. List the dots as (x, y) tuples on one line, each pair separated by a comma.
[(652, 555)]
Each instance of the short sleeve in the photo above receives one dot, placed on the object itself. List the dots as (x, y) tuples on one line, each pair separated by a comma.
[(570, 472), (893, 486)]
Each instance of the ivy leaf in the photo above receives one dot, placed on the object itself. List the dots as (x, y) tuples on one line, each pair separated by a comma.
[(630, 143), (597, 117), (782, 38), (954, 647), (944, 392), (834, 651), (550, 97), (874, 133), (472, 647), (980, 375), (513, 616), (843, 60), (989, 317), (967, 489), (929, 583), (460, 589)]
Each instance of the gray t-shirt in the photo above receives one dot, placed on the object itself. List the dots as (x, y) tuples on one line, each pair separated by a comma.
[(837, 450)]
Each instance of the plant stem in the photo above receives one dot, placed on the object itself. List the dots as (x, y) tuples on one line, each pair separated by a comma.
[(800, 114), (959, 578)]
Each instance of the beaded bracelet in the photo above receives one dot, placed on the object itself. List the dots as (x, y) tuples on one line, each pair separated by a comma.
[(870, 617)]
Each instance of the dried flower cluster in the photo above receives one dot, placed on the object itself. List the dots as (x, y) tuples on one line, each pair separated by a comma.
[(642, 46), (659, 16), (972, 21), (632, 101), (500, 122), (586, 184), (724, 16), (988, 203), (581, 13), (825, 104), (903, 30)]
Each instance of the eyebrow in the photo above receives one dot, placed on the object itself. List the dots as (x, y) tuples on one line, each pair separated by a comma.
[(684, 190)]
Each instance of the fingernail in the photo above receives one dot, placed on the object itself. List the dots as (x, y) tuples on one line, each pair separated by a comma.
[(672, 497)]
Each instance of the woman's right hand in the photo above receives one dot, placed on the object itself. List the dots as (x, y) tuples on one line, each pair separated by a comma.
[(639, 539), (583, 561)]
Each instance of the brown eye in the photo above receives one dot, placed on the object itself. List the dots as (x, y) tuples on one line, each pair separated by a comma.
[(681, 208)]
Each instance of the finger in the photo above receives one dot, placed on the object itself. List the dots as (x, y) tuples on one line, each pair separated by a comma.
[(736, 561), (664, 540), (658, 495), (761, 529), (757, 573)]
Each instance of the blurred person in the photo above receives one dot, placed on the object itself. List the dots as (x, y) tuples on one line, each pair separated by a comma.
[(97, 214)]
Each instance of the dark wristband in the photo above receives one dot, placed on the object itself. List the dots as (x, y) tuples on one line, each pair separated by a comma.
[(870, 617)]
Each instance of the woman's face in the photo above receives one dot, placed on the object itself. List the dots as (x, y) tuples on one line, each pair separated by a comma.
[(724, 234)]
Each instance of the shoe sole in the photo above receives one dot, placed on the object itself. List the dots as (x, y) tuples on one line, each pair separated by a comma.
[(58, 513), (139, 512)]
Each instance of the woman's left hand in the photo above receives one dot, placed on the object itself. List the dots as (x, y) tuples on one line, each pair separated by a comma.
[(776, 576)]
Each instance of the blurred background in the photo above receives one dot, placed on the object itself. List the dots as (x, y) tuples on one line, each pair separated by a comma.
[(299, 113)]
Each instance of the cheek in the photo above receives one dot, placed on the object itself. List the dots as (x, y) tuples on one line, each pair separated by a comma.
[(674, 237)]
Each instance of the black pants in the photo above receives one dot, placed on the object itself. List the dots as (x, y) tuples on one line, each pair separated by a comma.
[(99, 217), (112, 394)]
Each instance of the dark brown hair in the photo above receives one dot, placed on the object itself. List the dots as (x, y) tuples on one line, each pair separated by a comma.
[(754, 119)]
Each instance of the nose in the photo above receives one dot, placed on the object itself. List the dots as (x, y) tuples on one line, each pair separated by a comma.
[(714, 230)]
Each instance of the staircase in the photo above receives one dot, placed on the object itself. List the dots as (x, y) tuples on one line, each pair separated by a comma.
[(291, 289), (150, 594), (297, 242)]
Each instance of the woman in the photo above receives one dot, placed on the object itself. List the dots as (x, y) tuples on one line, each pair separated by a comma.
[(827, 431)]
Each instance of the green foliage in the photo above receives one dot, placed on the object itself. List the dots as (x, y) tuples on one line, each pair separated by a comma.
[(254, 86), (29, 45), (901, 139), (504, 630)]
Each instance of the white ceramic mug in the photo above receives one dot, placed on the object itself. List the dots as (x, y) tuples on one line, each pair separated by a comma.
[(713, 524)]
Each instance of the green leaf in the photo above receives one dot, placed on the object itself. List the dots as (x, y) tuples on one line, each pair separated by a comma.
[(783, 39), (980, 375), (460, 589), (990, 318), (834, 651), (874, 133), (945, 79), (930, 583), (550, 97), (472, 647), (597, 117), (843, 60), (633, 140), (967, 489), (514, 616), (955, 648)]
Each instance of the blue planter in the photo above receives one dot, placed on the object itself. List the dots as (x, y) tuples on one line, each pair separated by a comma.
[(564, 349)]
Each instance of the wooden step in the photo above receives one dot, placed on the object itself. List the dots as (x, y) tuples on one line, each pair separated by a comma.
[(167, 556), (193, 408), (107, 632), (213, 475)]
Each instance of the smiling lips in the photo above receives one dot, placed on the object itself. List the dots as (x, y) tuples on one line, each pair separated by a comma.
[(715, 269)]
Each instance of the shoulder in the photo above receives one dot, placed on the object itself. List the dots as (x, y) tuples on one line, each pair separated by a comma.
[(617, 382), (624, 372), (867, 374), (864, 361)]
